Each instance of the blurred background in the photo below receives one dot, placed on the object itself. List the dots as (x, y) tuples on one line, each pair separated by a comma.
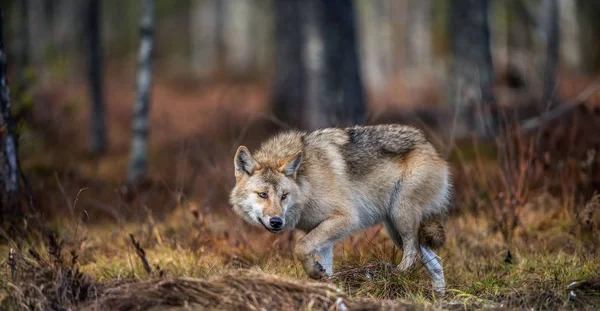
[(123, 117), (109, 94)]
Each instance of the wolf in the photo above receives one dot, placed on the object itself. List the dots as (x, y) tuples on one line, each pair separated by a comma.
[(332, 182)]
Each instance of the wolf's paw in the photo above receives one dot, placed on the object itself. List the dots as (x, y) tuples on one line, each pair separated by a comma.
[(319, 267), (317, 271), (439, 292)]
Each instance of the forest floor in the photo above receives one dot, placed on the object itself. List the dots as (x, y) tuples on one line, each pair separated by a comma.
[(173, 242)]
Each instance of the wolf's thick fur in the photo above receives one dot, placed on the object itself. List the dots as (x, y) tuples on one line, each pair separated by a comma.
[(332, 182)]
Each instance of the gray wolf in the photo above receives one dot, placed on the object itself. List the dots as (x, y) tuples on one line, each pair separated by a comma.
[(332, 182)]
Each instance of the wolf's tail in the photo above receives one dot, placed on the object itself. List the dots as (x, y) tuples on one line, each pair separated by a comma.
[(431, 232)]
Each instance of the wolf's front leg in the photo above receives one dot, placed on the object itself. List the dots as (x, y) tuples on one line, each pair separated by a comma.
[(320, 242), (326, 259)]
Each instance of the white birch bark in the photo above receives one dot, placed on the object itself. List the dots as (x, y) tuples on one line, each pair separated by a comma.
[(139, 141)]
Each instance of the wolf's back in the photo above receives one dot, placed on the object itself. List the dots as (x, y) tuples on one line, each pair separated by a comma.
[(391, 139)]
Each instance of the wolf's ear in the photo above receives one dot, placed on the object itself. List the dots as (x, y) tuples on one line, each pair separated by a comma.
[(289, 166), (244, 162)]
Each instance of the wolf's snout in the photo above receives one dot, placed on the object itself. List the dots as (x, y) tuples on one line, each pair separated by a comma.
[(276, 222)]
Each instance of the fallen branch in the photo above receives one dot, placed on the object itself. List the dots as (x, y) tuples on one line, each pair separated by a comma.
[(237, 290), (531, 124)]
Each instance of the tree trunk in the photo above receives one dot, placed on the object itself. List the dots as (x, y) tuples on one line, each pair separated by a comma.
[(590, 34), (290, 74), (139, 141), (9, 161), (206, 36), (96, 75), (550, 32), (418, 51), (40, 28), (325, 84), (239, 38), (471, 70), (521, 58), (376, 20), (534, 36), (570, 34), (23, 47)]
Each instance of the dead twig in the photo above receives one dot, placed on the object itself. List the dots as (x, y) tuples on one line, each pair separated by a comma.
[(55, 248), (142, 254), (12, 263)]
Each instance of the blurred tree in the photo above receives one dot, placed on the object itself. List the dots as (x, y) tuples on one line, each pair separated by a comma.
[(41, 29), (139, 140), (418, 44), (9, 160), (207, 47), (239, 36), (376, 20), (590, 34), (520, 36), (570, 38), (550, 33), (290, 76), (229, 37), (534, 50), (317, 79), (471, 70), (96, 76), (23, 46)]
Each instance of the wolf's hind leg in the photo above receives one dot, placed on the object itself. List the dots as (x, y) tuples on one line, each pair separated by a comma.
[(433, 264), (410, 249), (393, 233), (406, 228), (326, 259)]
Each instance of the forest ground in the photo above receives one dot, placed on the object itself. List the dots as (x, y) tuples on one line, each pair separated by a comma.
[(513, 240)]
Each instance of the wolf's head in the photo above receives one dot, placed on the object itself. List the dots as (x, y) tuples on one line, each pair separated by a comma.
[(264, 191)]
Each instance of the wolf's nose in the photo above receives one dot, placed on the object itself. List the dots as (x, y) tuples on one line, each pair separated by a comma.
[(276, 222)]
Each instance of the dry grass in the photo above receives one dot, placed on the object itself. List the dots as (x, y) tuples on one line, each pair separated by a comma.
[(518, 238), (208, 264)]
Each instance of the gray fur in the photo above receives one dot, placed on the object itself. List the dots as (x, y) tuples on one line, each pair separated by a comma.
[(347, 180)]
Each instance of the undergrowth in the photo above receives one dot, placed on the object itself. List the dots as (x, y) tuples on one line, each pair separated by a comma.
[(524, 233)]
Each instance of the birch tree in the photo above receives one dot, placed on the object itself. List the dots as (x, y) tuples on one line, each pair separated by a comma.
[(139, 141), (9, 161), (95, 63), (318, 82)]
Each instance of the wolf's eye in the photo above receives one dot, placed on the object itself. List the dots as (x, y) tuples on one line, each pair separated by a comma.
[(262, 195), (284, 196)]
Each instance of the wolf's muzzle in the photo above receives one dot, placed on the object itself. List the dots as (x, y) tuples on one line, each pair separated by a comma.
[(276, 223), (274, 228)]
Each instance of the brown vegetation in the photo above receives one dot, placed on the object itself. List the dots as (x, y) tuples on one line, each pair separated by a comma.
[(524, 230)]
